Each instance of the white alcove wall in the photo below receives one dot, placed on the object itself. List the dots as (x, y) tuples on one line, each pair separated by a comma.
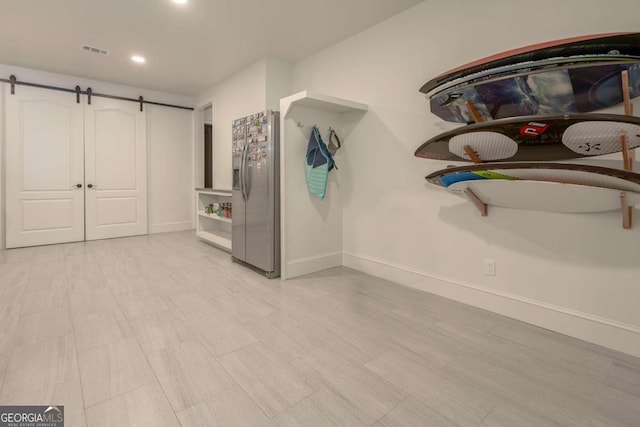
[(311, 228)]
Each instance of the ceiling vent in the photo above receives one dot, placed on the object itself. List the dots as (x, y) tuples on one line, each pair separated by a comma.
[(93, 49)]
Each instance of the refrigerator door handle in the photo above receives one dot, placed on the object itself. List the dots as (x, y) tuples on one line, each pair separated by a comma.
[(247, 180), (243, 171)]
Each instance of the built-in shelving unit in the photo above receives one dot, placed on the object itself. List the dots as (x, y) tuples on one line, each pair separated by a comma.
[(211, 227), (311, 228)]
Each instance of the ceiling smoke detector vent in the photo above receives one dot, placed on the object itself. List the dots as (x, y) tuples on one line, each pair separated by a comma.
[(93, 49)]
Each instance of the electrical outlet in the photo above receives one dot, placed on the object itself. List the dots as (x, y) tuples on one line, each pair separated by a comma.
[(490, 267)]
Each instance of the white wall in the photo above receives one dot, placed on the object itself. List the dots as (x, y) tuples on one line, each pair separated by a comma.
[(577, 274), (240, 95), (170, 169), (256, 88), (278, 82), (167, 210), (207, 115)]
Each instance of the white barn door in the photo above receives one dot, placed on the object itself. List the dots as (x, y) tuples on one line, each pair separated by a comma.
[(115, 169), (44, 167)]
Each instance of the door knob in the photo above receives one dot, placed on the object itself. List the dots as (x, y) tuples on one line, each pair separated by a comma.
[(77, 186), (90, 185)]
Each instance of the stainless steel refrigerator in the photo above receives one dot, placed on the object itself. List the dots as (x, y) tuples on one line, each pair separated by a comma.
[(255, 235)]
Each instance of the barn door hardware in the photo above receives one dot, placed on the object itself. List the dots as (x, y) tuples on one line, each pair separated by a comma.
[(13, 81)]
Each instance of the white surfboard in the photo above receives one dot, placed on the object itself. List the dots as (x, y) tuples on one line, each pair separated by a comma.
[(544, 196)]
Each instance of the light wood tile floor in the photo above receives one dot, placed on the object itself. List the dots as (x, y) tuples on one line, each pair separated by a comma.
[(166, 330)]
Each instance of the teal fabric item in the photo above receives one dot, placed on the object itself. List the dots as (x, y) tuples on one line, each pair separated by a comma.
[(318, 163), (317, 179)]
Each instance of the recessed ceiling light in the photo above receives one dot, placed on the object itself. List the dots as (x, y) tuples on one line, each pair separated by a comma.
[(138, 59), (180, 1)]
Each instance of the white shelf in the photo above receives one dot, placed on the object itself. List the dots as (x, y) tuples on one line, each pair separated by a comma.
[(221, 238), (222, 193), (214, 216), (318, 101)]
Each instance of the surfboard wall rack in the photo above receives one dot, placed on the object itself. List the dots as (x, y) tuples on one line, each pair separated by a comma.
[(499, 136)]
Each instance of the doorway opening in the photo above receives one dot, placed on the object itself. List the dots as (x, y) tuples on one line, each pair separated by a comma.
[(207, 120)]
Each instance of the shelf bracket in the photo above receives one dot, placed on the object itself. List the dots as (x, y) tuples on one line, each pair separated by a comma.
[(479, 204), (627, 211), (625, 92), (627, 219), (628, 110), (472, 154), (626, 158), (474, 112)]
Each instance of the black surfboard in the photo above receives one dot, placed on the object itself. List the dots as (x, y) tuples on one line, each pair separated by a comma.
[(536, 138), (597, 44), (560, 90)]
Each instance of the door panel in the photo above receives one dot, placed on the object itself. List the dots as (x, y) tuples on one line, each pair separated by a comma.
[(44, 163), (114, 210), (47, 214), (46, 145), (115, 149)]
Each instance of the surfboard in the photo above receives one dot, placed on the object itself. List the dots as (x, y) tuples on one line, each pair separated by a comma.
[(557, 90), (544, 196), (536, 138), (594, 176), (531, 67), (597, 44)]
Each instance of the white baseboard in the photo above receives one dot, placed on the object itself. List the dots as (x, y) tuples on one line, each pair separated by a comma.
[(608, 333), (170, 226), (300, 267)]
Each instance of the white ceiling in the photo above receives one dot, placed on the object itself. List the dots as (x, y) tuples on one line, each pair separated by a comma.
[(188, 48)]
